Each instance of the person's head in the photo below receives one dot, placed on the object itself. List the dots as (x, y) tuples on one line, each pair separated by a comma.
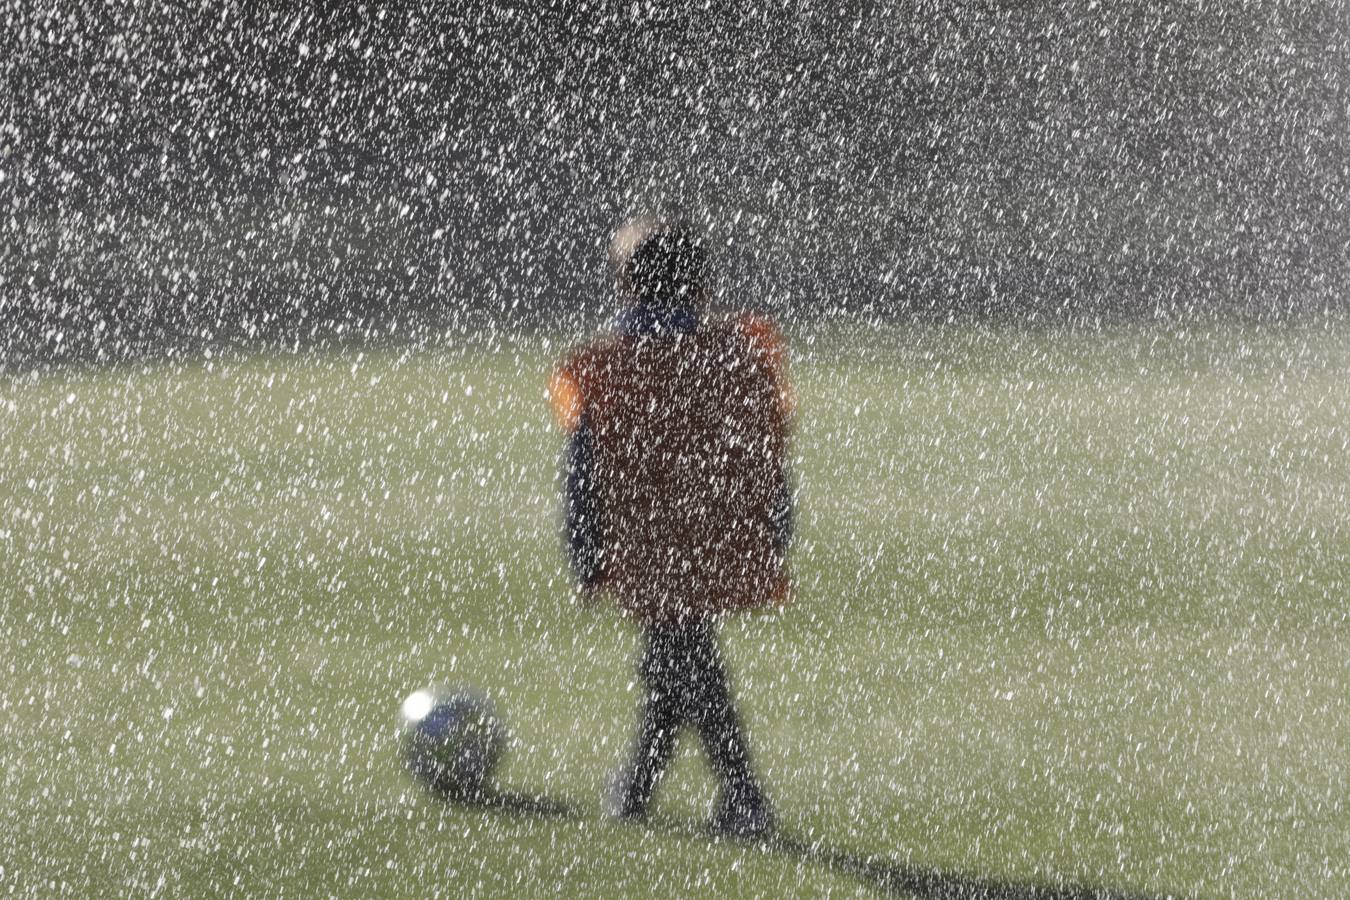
[(668, 268)]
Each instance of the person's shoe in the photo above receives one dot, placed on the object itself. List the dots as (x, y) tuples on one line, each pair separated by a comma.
[(620, 801), (744, 815)]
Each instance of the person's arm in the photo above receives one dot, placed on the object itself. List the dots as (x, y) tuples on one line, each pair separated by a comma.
[(783, 513), (581, 520), (769, 347)]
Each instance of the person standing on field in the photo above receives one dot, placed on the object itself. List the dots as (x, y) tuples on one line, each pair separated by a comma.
[(678, 504)]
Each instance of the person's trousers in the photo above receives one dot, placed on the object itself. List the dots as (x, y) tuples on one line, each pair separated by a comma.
[(686, 682)]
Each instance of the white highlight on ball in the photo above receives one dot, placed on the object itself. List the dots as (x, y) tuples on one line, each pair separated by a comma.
[(416, 707)]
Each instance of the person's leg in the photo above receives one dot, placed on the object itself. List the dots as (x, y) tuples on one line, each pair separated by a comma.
[(711, 708), (663, 712), (743, 811)]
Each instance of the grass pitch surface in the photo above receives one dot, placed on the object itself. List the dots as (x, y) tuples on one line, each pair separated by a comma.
[(1070, 607)]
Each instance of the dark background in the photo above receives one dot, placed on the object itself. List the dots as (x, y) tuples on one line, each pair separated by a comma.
[(175, 179)]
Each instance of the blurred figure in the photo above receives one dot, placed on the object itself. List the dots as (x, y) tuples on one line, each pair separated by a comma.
[(678, 503)]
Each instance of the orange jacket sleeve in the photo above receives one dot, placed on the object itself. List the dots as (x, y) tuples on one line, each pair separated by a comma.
[(768, 343), (565, 397)]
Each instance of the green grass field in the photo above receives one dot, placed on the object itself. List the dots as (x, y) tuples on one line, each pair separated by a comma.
[(1071, 606)]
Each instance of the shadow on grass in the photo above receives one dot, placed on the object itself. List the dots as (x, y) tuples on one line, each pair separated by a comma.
[(885, 875)]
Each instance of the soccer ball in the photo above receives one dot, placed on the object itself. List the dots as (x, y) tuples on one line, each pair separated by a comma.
[(452, 740)]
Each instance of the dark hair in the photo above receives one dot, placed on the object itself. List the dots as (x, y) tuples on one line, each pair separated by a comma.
[(668, 267)]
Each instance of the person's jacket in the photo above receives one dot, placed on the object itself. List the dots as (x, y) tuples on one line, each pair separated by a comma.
[(677, 497)]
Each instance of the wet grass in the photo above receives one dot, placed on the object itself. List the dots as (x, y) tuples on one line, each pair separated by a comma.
[(1070, 606)]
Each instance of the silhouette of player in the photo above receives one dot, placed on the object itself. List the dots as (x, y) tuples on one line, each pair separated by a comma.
[(678, 504)]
